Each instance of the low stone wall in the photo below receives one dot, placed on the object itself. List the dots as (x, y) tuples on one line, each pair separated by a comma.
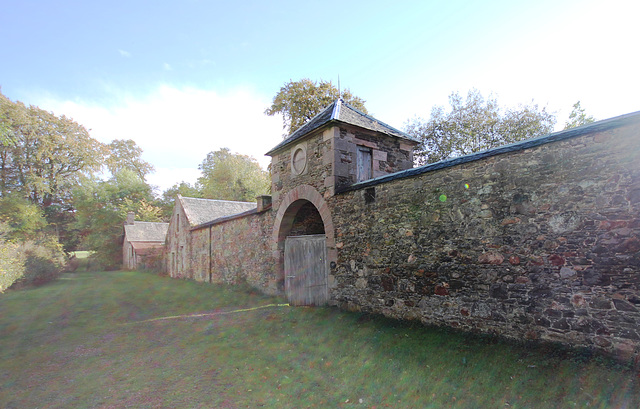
[(239, 250), (537, 243)]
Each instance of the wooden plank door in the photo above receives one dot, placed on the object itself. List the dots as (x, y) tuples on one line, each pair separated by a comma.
[(306, 270), (364, 164)]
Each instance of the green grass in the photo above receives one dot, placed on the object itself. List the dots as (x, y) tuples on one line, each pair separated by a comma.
[(85, 341), (85, 263), (81, 253)]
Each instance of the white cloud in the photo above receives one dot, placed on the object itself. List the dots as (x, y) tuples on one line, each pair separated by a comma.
[(581, 58), (177, 127), (124, 53), (167, 67)]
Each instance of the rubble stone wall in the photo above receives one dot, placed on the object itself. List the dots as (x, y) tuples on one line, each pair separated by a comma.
[(178, 245), (241, 252), (539, 243), (199, 255)]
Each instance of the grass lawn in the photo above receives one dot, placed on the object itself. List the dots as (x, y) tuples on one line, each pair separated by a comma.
[(81, 254), (93, 340), (83, 262)]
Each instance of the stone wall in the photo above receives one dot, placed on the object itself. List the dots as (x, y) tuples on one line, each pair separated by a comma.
[(239, 250), (536, 243), (539, 240), (128, 261), (199, 265), (178, 245), (331, 160), (389, 154), (317, 169)]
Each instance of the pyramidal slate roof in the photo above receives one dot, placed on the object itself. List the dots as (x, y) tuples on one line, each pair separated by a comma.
[(146, 231), (200, 211), (340, 111)]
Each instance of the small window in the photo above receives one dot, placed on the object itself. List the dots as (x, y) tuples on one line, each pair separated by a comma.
[(370, 195), (365, 164), (177, 222)]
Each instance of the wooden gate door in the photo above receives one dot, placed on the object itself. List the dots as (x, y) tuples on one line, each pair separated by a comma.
[(306, 270)]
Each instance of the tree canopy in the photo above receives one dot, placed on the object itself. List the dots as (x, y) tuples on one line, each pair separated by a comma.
[(299, 101), (578, 117), (51, 193), (474, 124), (43, 156), (168, 198), (125, 154), (231, 176), (101, 208), (23, 220)]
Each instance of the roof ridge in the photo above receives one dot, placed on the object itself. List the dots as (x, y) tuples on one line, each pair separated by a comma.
[(380, 122), (335, 114), (341, 111), (322, 111), (215, 200)]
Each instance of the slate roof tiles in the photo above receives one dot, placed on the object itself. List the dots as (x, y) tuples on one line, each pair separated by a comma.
[(340, 111), (146, 231), (201, 211)]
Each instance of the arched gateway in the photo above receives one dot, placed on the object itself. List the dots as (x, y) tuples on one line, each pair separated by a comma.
[(334, 150), (304, 240)]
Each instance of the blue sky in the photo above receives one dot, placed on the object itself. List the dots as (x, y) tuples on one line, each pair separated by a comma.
[(185, 78)]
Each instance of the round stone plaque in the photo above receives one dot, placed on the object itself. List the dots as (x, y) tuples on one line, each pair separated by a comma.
[(298, 160)]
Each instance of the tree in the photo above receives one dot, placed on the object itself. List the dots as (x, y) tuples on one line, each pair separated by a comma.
[(168, 198), (11, 262), (125, 154), (299, 101), (28, 250), (578, 117), (183, 188), (44, 156), (473, 125), (23, 220), (4, 127), (231, 176), (102, 208)]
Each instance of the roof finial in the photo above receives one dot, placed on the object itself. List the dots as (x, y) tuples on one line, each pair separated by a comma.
[(339, 91)]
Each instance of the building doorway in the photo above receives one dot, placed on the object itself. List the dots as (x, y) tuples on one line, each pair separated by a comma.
[(302, 214)]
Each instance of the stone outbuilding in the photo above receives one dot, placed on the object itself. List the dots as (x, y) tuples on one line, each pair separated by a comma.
[(189, 212), (143, 244)]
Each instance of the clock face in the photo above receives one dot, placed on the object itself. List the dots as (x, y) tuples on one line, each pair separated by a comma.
[(298, 160)]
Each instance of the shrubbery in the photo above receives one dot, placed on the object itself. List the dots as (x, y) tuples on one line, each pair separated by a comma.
[(28, 262), (11, 264), (43, 261)]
